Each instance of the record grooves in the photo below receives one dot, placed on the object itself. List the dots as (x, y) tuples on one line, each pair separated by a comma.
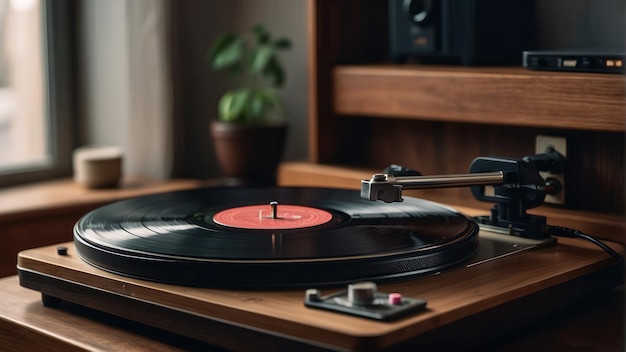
[(338, 238)]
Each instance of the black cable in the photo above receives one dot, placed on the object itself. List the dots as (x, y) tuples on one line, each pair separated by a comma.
[(560, 231)]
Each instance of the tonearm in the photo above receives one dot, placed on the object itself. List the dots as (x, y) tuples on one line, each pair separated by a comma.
[(514, 185)]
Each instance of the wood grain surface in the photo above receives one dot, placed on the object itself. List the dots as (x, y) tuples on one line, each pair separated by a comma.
[(26, 325), (44, 213), (495, 95), (451, 296), (31, 200)]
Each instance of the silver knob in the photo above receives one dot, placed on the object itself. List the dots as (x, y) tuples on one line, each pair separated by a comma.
[(362, 293), (312, 295)]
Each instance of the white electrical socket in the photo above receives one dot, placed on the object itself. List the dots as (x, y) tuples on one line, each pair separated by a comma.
[(560, 145)]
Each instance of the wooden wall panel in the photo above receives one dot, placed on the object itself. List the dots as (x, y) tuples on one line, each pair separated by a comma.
[(594, 169), (342, 31)]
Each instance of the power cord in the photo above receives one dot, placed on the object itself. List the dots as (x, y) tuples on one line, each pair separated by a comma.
[(560, 231)]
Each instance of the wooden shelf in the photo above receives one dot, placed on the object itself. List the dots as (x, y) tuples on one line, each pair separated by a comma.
[(494, 95)]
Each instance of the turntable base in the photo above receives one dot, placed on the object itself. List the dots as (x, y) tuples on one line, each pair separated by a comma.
[(501, 294)]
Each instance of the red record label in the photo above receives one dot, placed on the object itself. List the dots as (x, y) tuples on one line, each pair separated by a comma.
[(272, 217)]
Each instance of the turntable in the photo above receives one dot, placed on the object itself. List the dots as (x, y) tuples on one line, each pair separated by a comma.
[(321, 268)]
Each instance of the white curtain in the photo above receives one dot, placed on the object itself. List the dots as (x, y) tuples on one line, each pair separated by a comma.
[(126, 82)]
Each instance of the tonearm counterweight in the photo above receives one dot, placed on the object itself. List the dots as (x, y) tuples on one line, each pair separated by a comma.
[(516, 187)]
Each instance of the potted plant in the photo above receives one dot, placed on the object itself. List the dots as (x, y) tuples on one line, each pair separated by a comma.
[(250, 130)]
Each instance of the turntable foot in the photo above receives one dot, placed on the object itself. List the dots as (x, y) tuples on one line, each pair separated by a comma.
[(50, 301), (362, 299)]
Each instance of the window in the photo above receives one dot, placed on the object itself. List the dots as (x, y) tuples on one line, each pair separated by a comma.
[(35, 90)]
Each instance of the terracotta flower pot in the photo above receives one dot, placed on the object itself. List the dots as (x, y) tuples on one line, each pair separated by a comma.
[(249, 155)]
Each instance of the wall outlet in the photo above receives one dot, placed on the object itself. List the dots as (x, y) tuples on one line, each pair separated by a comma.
[(542, 143)]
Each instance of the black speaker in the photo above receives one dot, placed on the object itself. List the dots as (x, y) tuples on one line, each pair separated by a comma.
[(468, 32)]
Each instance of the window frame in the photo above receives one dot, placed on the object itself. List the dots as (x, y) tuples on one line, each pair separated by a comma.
[(59, 103)]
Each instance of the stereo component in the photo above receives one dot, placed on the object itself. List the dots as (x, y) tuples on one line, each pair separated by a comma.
[(468, 32)]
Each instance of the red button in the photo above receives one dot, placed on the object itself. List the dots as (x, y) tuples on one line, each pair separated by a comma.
[(395, 298)]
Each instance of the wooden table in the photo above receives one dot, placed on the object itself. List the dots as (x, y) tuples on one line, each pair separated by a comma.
[(26, 325)]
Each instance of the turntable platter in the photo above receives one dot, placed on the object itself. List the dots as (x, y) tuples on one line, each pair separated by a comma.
[(273, 237)]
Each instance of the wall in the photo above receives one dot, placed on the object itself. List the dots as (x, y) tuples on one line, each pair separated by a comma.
[(581, 24), (124, 81), (196, 23), (560, 23), (104, 86)]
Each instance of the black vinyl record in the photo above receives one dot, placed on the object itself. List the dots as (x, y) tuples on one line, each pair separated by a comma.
[(316, 236)]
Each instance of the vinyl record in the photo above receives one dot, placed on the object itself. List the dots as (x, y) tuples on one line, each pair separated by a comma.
[(273, 237)]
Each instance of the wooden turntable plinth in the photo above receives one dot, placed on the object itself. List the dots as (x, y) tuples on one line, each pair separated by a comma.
[(501, 294)]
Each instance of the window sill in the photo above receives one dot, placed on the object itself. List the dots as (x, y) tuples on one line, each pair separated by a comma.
[(44, 214), (52, 197)]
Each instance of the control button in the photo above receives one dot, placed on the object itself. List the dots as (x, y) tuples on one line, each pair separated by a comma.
[(395, 299), (362, 299), (312, 295), (362, 293)]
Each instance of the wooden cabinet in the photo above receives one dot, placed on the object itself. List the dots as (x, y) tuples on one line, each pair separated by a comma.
[(367, 113)]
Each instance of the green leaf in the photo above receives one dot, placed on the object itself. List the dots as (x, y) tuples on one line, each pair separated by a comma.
[(253, 61), (227, 52), (264, 105), (220, 43), (274, 71), (261, 57), (224, 107), (270, 98), (232, 105), (257, 106), (262, 35), (282, 44)]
